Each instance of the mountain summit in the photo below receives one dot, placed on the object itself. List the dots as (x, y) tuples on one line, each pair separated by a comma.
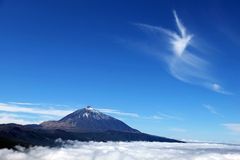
[(86, 113), (88, 120), (87, 124)]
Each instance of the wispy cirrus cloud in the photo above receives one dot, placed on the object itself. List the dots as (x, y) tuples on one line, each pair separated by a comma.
[(33, 110), (217, 88), (117, 112), (15, 118), (164, 116), (184, 62), (24, 103), (179, 41), (11, 112), (212, 110), (234, 127), (182, 130), (28, 113)]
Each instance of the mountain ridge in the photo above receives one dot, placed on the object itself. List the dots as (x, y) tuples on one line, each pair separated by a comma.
[(88, 120), (85, 124)]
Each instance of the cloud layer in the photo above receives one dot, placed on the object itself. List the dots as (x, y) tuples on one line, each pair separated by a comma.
[(126, 151)]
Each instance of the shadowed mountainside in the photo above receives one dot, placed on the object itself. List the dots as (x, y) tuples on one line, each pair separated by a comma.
[(86, 124)]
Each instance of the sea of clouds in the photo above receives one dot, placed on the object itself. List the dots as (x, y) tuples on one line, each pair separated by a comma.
[(74, 150)]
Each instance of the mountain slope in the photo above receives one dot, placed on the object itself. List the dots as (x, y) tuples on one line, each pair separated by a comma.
[(14, 134), (85, 124), (88, 120)]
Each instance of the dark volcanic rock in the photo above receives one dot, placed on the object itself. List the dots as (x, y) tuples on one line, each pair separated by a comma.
[(85, 124), (88, 120)]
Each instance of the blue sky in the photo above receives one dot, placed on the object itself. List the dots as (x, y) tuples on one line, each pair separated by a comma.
[(169, 68)]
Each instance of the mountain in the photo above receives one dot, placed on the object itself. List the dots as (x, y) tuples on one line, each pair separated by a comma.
[(88, 120), (85, 124)]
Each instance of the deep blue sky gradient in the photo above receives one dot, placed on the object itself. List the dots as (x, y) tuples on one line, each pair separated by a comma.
[(81, 53)]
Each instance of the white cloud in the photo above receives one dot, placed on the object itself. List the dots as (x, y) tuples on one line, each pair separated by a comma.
[(218, 88), (24, 103), (168, 116), (19, 107), (178, 130), (234, 127), (162, 116), (43, 113), (126, 151), (12, 118), (34, 110), (157, 117), (184, 64), (212, 110), (180, 42), (117, 112)]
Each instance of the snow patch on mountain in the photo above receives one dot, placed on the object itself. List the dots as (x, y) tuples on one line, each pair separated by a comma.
[(88, 119)]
